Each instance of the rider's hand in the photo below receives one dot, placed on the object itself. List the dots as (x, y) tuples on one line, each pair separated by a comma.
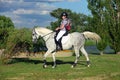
[(57, 28)]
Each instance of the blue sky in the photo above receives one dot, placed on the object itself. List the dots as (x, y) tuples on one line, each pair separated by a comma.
[(30, 13)]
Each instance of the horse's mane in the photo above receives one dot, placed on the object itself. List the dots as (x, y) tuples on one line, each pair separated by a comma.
[(43, 30)]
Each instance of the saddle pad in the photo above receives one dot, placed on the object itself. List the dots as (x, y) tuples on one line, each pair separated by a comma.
[(65, 39)]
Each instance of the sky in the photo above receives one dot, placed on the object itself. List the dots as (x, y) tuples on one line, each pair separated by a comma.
[(30, 13)]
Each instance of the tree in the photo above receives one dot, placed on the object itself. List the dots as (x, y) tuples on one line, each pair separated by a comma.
[(97, 22), (6, 25), (106, 21), (6, 22), (113, 22)]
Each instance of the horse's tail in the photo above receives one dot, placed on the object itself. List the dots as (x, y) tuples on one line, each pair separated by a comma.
[(92, 35)]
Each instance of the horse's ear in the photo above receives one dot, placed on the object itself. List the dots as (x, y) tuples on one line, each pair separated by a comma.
[(33, 29)]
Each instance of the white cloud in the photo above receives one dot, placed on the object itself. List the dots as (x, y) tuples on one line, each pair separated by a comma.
[(23, 11), (72, 0), (55, 0), (29, 13), (34, 8), (8, 1), (44, 12), (45, 6), (17, 21), (11, 1)]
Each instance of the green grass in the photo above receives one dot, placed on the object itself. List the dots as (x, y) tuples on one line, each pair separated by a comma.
[(90, 42), (105, 67)]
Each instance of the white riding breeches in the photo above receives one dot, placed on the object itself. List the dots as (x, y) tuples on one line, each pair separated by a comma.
[(60, 34)]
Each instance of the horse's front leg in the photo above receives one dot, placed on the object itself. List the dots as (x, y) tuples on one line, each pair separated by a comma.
[(45, 62), (54, 60)]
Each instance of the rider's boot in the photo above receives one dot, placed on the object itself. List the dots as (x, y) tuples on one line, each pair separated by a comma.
[(60, 45)]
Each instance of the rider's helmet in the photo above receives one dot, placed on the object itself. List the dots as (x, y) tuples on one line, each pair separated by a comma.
[(64, 14)]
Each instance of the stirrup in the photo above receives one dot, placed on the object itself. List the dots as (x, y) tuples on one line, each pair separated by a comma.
[(58, 48)]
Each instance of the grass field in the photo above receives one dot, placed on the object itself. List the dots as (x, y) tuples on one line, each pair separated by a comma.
[(105, 67)]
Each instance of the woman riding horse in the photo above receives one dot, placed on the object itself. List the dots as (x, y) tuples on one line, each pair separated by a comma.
[(61, 30)]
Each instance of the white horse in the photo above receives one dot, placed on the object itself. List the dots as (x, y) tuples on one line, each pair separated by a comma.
[(75, 40)]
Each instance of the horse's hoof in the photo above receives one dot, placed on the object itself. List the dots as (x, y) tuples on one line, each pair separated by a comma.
[(73, 65), (44, 66), (88, 65), (53, 66)]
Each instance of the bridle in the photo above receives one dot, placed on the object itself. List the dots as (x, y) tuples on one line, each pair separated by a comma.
[(34, 33)]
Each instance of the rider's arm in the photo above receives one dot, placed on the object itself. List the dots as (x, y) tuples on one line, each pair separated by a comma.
[(61, 27)]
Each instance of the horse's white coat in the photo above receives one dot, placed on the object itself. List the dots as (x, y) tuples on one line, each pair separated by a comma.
[(76, 40)]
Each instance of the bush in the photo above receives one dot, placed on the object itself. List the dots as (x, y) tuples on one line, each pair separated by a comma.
[(19, 40)]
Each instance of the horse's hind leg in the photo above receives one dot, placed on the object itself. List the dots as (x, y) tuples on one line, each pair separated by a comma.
[(86, 55), (77, 56)]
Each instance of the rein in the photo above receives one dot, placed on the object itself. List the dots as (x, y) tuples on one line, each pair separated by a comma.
[(46, 34)]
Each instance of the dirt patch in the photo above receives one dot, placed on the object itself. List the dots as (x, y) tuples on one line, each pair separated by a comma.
[(15, 78), (65, 53), (102, 77), (118, 52), (115, 74)]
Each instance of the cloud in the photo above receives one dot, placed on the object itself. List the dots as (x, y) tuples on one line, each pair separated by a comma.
[(44, 1), (22, 7), (44, 6), (8, 1), (73, 0), (23, 11), (11, 5), (29, 13)]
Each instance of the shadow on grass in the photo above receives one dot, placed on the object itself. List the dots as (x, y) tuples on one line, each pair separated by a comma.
[(59, 62), (25, 60)]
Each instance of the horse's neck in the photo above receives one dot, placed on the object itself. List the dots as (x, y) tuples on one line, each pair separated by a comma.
[(45, 33), (48, 36)]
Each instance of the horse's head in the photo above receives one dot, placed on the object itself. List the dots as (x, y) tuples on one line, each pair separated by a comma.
[(35, 36), (39, 31)]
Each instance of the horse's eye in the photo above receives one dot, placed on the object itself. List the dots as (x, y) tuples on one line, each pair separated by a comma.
[(32, 34)]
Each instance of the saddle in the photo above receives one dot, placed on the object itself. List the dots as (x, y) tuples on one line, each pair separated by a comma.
[(65, 39), (62, 42)]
